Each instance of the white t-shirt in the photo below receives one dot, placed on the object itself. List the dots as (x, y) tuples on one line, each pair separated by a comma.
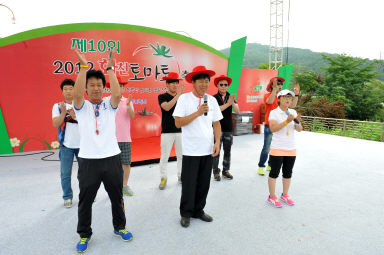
[(71, 137), (197, 136), (280, 139), (104, 144)]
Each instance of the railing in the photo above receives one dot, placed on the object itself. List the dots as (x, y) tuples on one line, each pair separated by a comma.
[(351, 128)]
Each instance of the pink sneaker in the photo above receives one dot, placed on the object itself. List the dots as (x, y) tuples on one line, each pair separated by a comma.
[(274, 201), (287, 199)]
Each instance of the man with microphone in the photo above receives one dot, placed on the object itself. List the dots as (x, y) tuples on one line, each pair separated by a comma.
[(198, 115)]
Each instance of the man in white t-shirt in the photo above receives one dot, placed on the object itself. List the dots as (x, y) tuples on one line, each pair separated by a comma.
[(198, 115), (99, 151), (64, 119)]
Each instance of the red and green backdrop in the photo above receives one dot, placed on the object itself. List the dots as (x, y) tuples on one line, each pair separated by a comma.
[(253, 84), (35, 62)]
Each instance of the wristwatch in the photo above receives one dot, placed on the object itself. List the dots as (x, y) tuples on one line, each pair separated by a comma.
[(110, 68)]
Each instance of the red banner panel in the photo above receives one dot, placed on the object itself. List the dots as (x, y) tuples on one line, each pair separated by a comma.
[(253, 83)]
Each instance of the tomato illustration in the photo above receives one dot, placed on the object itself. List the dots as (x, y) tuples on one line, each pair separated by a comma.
[(146, 124)]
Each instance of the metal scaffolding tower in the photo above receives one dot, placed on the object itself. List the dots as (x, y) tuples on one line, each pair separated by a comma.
[(276, 34)]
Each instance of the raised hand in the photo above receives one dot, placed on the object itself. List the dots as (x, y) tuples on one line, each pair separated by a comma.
[(203, 109), (290, 118), (129, 100), (181, 90), (274, 84), (296, 89), (63, 107), (81, 57), (111, 60), (72, 113), (298, 117), (231, 99)]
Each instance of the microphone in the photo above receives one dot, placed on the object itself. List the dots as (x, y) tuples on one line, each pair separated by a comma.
[(205, 101), (295, 120)]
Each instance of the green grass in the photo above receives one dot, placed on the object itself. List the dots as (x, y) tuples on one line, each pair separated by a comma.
[(360, 130)]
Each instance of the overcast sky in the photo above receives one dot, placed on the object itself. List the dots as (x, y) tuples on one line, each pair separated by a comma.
[(335, 26)]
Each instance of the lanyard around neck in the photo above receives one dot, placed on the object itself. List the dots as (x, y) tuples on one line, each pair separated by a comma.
[(97, 113)]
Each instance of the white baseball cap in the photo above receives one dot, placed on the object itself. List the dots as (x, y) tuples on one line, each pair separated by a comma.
[(285, 92)]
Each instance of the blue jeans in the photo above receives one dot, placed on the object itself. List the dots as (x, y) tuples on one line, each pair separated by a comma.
[(266, 147), (66, 161)]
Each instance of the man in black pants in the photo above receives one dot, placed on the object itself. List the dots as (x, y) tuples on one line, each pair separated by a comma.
[(198, 115), (99, 150), (226, 102)]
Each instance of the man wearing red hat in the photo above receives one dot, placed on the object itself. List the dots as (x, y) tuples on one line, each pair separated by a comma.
[(226, 103), (124, 115), (170, 134), (270, 99), (198, 115)]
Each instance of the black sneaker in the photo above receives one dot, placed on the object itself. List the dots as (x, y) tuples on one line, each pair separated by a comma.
[(185, 221), (227, 175), (217, 177)]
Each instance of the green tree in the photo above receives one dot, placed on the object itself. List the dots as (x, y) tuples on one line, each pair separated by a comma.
[(376, 88), (263, 66), (346, 79), (308, 81)]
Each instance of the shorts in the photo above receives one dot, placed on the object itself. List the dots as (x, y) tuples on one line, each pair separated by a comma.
[(125, 155)]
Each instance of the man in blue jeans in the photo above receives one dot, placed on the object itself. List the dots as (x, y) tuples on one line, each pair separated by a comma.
[(64, 119), (270, 99)]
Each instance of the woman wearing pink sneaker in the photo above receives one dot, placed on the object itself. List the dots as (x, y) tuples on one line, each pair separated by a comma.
[(283, 122)]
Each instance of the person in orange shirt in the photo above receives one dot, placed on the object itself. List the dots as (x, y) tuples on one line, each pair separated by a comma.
[(270, 99)]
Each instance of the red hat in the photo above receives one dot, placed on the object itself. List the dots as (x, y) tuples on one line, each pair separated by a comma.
[(119, 79), (172, 76), (222, 77), (199, 70), (269, 87)]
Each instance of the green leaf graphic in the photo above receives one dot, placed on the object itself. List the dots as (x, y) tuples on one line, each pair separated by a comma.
[(161, 51)]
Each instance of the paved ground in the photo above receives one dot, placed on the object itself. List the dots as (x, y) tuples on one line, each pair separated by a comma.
[(337, 187)]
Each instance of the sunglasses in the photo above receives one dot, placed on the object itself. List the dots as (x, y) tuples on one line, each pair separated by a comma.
[(223, 85), (279, 83)]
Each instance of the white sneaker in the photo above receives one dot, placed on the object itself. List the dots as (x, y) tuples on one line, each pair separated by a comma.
[(68, 203)]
